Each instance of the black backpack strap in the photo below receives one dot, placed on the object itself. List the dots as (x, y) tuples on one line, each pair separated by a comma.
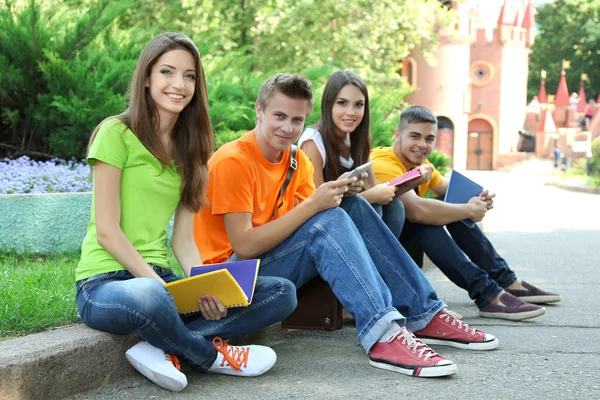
[(288, 178)]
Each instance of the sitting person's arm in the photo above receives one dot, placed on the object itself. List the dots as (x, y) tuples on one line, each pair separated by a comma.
[(248, 241), (435, 212), (183, 244)]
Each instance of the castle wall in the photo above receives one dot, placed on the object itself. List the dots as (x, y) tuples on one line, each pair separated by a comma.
[(442, 88)]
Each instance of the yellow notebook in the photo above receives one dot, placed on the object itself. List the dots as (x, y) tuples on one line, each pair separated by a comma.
[(232, 283)]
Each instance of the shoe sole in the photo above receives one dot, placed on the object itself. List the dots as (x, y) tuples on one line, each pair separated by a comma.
[(420, 372), (477, 346), (514, 316), (540, 299), (164, 381)]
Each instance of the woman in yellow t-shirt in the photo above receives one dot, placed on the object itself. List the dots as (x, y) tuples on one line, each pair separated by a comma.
[(150, 163)]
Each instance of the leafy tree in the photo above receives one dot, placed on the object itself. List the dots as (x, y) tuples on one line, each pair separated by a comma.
[(570, 30), (61, 76)]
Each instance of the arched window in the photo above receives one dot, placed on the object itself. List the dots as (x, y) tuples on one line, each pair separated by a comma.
[(409, 71)]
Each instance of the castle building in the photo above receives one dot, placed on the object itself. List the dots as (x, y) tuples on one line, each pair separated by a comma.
[(476, 81)]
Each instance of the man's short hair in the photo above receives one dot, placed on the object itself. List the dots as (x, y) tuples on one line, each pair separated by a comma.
[(290, 85), (414, 115)]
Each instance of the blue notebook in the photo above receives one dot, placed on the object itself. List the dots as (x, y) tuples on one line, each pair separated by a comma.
[(460, 190)]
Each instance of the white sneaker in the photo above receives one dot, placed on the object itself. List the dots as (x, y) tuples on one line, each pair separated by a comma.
[(154, 364), (249, 360)]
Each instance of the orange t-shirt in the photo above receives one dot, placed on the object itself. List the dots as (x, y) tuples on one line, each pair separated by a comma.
[(242, 180)]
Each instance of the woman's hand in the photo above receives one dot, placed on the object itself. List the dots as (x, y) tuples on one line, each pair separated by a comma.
[(382, 194), (211, 308), (355, 187)]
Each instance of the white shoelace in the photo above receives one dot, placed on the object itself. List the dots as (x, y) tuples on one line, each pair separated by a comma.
[(455, 318), (411, 341)]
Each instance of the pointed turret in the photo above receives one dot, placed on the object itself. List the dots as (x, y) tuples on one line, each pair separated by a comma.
[(528, 18), (582, 105), (501, 16), (562, 93), (542, 97)]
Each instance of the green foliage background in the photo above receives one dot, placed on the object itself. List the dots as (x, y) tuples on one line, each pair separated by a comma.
[(570, 30), (66, 63)]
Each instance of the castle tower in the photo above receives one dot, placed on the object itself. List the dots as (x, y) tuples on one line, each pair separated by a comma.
[(499, 70), (477, 86), (444, 85), (564, 115)]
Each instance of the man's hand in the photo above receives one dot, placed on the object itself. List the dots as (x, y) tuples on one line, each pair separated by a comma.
[(382, 193), (357, 186), (330, 194), (426, 174), (488, 198), (211, 308), (478, 208)]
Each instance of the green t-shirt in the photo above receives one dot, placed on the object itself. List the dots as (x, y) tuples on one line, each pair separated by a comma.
[(150, 194)]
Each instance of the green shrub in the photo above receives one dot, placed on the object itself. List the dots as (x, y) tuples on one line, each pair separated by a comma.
[(595, 163), (61, 76), (441, 161)]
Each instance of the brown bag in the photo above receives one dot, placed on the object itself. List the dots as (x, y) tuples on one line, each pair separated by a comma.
[(317, 309)]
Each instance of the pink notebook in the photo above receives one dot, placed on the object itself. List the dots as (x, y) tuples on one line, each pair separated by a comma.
[(407, 176)]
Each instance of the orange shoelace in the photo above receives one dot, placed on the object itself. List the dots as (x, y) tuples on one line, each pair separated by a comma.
[(235, 356), (174, 360)]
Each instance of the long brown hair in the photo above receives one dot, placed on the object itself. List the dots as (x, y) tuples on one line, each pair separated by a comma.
[(360, 139), (192, 135)]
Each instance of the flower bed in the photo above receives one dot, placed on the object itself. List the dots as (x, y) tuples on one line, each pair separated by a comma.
[(24, 175), (44, 206)]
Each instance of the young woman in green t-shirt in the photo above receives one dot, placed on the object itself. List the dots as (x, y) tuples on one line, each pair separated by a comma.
[(150, 163)]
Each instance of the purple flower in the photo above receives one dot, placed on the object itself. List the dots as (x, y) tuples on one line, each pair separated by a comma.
[(24, 175)]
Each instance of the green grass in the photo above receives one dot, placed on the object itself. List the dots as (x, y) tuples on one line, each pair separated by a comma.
[(36, 292)]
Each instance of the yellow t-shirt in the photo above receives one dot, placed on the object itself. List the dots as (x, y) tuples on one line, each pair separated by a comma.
[(242, 180), (387, 166)]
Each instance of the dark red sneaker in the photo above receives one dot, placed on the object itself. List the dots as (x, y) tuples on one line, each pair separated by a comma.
[(406, 354), (511, 308), (447, 330), (531, 294)]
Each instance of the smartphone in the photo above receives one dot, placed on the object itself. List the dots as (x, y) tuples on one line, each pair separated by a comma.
[(358, 171)]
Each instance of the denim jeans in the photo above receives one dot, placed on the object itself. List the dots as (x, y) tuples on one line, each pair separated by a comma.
[(367, 269), (483, 274), (392, 215), (119, 303)]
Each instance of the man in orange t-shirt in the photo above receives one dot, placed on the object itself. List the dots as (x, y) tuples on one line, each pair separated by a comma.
[(310, 232)]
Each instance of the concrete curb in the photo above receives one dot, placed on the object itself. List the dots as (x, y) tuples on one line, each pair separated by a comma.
[(66, 361), (582, 189), (61, 362)]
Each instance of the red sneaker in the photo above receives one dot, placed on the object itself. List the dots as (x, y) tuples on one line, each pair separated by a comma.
[(447, 330), (406, 354)]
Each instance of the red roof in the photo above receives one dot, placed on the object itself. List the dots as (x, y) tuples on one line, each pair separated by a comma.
[(529, 17), (582, 105), (501, 16), (562, 93), (542, 98)]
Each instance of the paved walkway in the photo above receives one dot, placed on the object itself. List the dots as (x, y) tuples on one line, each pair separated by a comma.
[(549, 236)]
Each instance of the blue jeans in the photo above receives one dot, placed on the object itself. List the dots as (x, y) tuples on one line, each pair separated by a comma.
[(367, 269), (119, 303), (483, 274), (392, 215)]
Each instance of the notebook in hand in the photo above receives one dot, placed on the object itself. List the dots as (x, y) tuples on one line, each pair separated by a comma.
[(232, 283), (405, 177), (460, 190)]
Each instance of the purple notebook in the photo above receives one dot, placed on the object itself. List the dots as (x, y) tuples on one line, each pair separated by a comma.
[(244, 272)]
